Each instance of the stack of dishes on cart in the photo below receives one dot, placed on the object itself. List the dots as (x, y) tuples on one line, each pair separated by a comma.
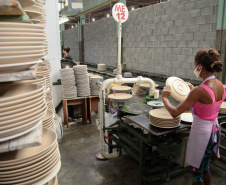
[(34, 165), (49, 103), (122, 89), (68, 83), (48, 120), (95, 84), (101, 67), (22, 107), (161, 118), (179, 88), (223, 108), (82, 80), (21, 46)]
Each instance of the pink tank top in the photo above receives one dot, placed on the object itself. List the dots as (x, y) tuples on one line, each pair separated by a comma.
[(208, 111)]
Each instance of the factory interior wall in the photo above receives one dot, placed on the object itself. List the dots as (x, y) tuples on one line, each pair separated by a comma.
[(54, 51), (89, 4), (70, 39), (100, 42)]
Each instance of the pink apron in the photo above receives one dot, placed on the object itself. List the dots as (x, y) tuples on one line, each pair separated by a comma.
[(199, 136)]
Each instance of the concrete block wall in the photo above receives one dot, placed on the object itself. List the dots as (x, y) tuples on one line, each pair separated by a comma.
[(163, 38), (100, 42), (70, 39)]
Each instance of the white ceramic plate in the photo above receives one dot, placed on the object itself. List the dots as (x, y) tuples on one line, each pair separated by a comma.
[(20, 25), (187, 117), (25, 43), (156, 104), (27, 2)]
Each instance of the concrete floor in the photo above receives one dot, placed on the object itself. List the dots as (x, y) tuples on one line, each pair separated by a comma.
[(79, 147)]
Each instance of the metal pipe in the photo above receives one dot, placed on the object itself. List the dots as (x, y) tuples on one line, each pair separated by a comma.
[(138, 80), (222, 24), (119, 68)]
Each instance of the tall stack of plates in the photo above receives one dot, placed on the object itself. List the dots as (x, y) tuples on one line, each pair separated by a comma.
[(34, 165), (44, 71), (101, 67), (82, 80), (49, 103), (223, 108), (161, 118), (21, 45), (179, 88), (48, 120), (38, 80), (68, 83), (22, 107), (46, 64), (95, 84)]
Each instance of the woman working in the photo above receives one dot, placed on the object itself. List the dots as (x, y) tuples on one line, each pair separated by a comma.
[(204, 101), (67, 56)]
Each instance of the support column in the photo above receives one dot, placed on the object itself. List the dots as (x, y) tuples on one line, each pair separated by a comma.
[(81, 38)]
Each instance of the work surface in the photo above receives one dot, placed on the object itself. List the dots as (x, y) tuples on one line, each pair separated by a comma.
[(144, 122)]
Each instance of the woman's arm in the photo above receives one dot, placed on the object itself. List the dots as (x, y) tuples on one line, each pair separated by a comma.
[(193, 97)]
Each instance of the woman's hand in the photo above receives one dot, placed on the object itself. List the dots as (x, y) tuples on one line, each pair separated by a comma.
[(190, 85), (166, 92)]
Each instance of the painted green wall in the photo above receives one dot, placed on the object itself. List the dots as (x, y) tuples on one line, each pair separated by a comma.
[(220, 14), (89, 4)]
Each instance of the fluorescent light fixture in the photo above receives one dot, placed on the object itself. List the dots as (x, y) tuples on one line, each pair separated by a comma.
[(132, 8), (93, 19), (72, 26), (63, 19), (107, 15)]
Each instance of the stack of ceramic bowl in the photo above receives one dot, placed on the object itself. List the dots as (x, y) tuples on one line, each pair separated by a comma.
[(44, 71), (120, 97), (22, 107), (68, 83), (161, 118), (48, 120), (21, 46), (122, 89), (179, 88), (223, 108), (95, 84), (34, 165), (49, 103), (101, 67), (128, 75), (82, 80)]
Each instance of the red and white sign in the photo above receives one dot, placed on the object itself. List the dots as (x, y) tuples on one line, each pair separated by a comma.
[(120, 11)]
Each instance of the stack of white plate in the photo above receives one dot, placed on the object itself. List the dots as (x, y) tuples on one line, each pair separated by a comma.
[(34, 165), (22, 107), (49, 103), (21, 44), (95, 84), (82, 80), (68, 83), (101, 67), (223, 108), (115, 72), (48, 120), (44, 71), (161, 118)]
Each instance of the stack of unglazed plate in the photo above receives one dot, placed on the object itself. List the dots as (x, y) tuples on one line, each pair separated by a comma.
[(44, 71), (161, 118), (68, 83), (22, 107), (122, 89), (128, 75), (101, 67), (82, 80), (48, 120), (179, 88), (21, 44), (147, 85), (223, 108), (34, 165), (46, 64), (49, 103), (120, 97), (95, 84), (38, 80)]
